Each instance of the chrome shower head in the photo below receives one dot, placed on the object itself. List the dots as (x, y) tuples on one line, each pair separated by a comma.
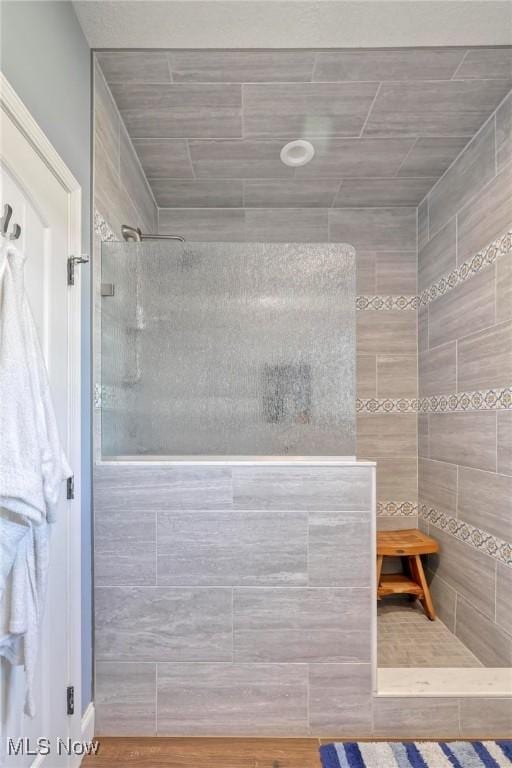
[(131, 234)]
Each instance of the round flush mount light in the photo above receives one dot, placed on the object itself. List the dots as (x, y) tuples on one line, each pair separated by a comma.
[(297, 153)]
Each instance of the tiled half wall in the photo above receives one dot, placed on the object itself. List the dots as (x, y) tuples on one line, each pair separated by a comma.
[(237, 601), (233, 600), (465, 378)]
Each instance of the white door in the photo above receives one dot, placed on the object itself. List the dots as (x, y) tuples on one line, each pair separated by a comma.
[(33, 181)]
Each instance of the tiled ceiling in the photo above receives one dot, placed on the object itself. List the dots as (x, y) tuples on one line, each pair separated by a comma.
[(208, 126)]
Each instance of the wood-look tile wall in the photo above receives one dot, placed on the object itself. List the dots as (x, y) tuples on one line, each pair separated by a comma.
[(465, 345), (121, 192), (386, 350), (227, 598)]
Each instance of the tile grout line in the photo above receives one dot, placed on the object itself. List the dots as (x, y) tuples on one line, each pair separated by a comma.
[(428, 217), (288, 136), (168, 58), (290, 207), (457, 473), (495, 143), (156, 698), (456, 363), (456, 238), (119, 121), (242, 111), (169, 52), (314, 67), (232, 625), (308, 693), (496, 593), (459, 65), (497, 457), (417, 463), (332, 205), (189, 154), (190, 662), (379, 86), (495, 290), (407, 154)]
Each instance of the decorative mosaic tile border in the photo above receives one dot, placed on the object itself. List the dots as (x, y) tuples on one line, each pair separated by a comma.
[(484, 258), (397, 509), (387, 302), (102, 228), (386, 405), (475, 537), (481, 400)]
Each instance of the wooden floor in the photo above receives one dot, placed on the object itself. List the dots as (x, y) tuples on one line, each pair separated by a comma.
[(205, 753)]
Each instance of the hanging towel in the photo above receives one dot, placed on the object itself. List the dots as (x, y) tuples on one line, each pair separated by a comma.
[(12, 531), (32, 468), (22, 614), (32, 462)]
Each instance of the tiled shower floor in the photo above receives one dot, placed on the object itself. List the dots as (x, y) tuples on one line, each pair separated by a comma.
[(406, 638)]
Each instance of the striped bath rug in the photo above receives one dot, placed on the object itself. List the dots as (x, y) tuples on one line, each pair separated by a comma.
[(418, 754)]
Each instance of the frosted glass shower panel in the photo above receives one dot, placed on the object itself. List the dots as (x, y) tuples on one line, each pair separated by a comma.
[(218, 349)]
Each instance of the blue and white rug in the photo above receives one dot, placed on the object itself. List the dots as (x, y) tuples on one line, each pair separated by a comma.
[(418, 754)]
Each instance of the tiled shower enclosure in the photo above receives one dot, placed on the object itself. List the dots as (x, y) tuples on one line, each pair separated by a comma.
[(412, 167)]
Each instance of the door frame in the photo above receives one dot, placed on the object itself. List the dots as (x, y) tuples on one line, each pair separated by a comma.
[(14, 107)]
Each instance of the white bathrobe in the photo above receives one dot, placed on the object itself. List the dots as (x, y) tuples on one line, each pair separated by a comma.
[(32, 468)]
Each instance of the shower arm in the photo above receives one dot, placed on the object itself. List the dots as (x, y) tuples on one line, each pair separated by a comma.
[(134, 234)]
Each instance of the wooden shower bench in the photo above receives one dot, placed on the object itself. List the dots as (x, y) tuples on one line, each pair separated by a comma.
[(408, 545)]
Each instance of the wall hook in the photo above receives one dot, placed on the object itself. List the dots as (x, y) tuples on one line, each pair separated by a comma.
[(4, 221), (4, 224), (16, 232)]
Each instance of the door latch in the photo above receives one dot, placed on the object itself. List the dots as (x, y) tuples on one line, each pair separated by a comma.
[(70, 487), (72, 261)]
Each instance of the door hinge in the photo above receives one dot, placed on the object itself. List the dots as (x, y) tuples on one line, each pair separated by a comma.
[(70, 487), (70, 699), (72, 261)]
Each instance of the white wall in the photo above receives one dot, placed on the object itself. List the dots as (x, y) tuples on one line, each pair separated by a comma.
[(46, 59)]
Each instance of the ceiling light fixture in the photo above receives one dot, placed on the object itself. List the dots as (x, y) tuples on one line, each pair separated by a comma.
[(297, 153)]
